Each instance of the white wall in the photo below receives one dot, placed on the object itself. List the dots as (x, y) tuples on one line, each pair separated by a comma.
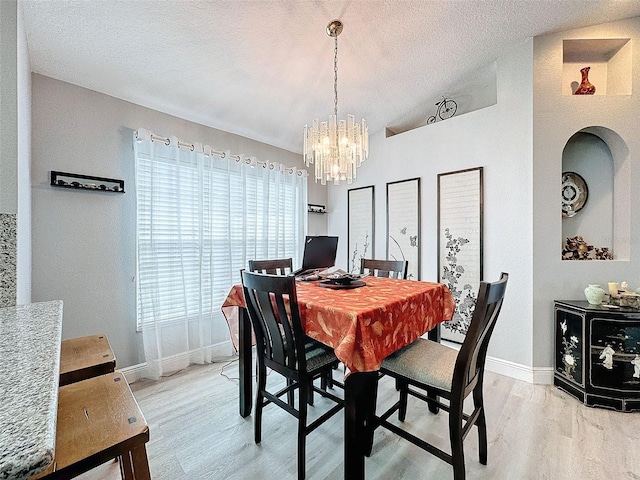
[(84, 242), (556, 118), (23, 267), (499, 138)]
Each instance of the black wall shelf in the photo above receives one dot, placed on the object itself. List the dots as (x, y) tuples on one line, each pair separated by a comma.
[(314, 208), (86, 182)]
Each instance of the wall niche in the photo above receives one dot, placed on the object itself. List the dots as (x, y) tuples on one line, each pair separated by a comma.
[(610, 61), (596, 184)]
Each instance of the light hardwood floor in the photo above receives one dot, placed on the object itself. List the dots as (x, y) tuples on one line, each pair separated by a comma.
[(535, 432)]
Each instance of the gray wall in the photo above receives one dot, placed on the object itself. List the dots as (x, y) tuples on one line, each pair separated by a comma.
[(8, 152), (15, 153), (84, 242)]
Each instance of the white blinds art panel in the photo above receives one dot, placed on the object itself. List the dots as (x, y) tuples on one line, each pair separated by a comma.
[(361, 226), (403, 224), (200, 218), (460, 244)]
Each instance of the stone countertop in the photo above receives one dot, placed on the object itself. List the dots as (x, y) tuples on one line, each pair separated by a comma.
[(30, 337)]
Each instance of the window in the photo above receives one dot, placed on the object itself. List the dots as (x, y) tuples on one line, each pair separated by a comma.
[(200, 218)]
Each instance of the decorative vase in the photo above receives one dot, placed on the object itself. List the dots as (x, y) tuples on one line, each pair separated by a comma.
[(594, 294), (585, 87)]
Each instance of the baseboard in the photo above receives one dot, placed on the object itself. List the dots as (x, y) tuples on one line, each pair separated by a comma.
[(519, 371), (136, 372), (539, 375)]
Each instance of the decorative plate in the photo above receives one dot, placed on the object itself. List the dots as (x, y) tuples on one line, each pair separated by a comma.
[(340, 286), (574, 193)]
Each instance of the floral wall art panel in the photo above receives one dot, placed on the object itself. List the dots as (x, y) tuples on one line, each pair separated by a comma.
[(403, 224), (460, 245), (360, 229)]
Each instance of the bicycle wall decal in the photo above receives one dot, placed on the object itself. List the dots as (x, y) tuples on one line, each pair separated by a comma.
[(446, 109)]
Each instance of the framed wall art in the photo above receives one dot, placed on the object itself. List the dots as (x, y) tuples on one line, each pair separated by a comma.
[(361, 224), (403, 224), (460, 245)]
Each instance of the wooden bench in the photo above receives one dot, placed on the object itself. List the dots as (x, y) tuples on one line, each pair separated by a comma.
[(85, 357), (99, 420)]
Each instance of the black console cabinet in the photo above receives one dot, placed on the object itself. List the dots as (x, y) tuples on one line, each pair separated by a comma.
[(597, 354)]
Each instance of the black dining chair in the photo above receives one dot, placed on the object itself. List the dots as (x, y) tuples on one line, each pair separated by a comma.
[(280, 266), (282, 346), (384, 268), (284, 266), (441, 371)]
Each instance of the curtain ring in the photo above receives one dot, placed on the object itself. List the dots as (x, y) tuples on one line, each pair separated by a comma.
[(193, 147), (223, 155), (167, 142)]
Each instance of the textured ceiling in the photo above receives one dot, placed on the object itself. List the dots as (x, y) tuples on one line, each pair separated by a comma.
[(262, 69)]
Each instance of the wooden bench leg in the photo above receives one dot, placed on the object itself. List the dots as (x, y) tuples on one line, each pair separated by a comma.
[(140, 463), (126, 468)]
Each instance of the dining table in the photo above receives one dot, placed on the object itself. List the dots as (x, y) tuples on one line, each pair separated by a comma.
[(363, 325)]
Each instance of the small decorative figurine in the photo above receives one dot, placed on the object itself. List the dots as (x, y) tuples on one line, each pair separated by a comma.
[(607, 355), (636, 366)]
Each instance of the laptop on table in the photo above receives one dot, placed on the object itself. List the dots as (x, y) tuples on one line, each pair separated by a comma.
[(319, 254)]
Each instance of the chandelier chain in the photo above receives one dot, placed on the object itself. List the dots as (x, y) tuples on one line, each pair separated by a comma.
[(335, 76)]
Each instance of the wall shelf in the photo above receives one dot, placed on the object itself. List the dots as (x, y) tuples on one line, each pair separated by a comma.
[(86, 182), (610, 61), (314, 208)]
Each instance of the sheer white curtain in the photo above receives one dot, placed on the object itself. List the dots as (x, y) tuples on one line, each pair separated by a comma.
[(200, 217)]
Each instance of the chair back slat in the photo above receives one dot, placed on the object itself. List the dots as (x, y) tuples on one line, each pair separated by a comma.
[(273, 310), (281, 266), (384, 268), (471, 358), (274, 343)]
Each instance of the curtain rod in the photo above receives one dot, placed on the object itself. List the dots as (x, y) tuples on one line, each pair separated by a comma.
[(221, 154)]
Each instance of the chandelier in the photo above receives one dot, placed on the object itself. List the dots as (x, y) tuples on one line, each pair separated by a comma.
[(336, 147)]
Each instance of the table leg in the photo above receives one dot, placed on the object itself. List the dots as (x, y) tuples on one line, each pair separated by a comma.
[(360, 394), (434, 334), (244, 367)]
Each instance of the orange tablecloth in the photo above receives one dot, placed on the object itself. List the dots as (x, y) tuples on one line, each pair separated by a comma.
[(364, 325)]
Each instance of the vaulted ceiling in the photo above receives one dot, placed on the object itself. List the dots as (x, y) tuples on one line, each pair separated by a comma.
[(262, 69)]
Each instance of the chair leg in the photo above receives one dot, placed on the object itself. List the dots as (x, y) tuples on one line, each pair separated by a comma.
[(302, 428), (403, 387), (433, 407), (326, 379), (290, 393), (481, 423), (310, 393), (262, 383), (455, 435)]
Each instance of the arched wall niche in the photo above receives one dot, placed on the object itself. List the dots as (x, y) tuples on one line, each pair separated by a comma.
[(600, 156)]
